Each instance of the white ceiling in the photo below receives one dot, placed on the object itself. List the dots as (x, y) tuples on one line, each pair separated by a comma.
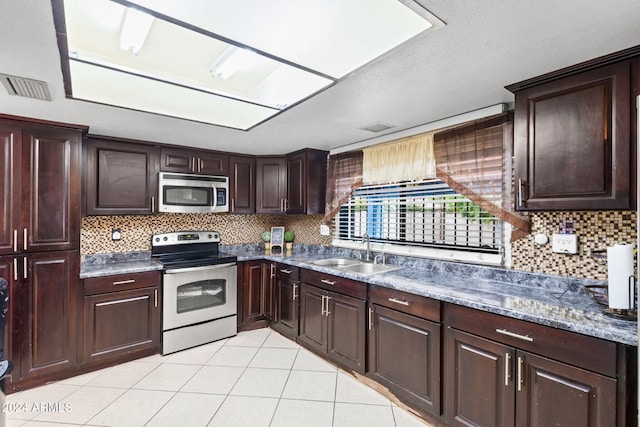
[(464, 66)]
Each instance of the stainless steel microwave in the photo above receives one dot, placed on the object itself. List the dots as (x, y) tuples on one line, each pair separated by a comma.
[(186, 193)]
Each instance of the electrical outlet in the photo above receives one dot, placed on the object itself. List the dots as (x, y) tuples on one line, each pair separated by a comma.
[(325, 230), (116, 234), (565, 243)]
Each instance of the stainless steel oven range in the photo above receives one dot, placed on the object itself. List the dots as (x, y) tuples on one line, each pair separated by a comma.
[(199, 289)]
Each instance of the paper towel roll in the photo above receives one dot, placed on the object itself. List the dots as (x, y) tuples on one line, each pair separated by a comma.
[(619, 269)]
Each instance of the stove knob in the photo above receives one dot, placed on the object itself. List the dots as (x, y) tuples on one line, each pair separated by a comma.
[(165, 238), (209, 236), (157, 239)]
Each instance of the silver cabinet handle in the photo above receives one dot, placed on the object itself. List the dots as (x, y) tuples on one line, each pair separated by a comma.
[(15, 269), (285, 271), (520, 361), (272, 270), (233, 205), (15, 240), (507, 359), (24, 243), (327, 312), (322, 306), (370, 318), (285, 204), (328, 282), (295, 288), (520, 192), (399, 301), (124, 282), (153, 204), (155, 298), (121, 301), (194, 167), (514, 335), (25, 267)]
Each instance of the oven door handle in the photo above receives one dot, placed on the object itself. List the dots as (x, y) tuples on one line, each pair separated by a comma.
[(201, 268)]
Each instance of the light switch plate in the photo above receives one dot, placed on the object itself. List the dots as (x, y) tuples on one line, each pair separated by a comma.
[(565, 243), (325, 230)]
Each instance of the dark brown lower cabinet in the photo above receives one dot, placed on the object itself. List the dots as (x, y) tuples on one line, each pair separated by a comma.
[(404, 356), (492, 384), (333, 324), (286, 298), (120, 322), (256, 281)]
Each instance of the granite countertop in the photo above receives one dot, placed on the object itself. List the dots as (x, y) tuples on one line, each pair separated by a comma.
[(118, 263), (553, 301)]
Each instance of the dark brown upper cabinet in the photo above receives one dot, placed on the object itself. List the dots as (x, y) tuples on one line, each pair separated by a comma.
[(121, 177), (572, 140), (271, 184), (40, 189), (193, 161), (242, 184), (306, 181)]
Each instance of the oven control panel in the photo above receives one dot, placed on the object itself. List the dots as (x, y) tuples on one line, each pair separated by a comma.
[(185, 237)]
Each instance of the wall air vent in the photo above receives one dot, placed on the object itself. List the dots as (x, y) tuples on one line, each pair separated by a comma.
[(378, 127), (28, 88)]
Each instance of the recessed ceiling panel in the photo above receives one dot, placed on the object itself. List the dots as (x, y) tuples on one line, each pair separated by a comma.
[(107, 86), (268, 55)]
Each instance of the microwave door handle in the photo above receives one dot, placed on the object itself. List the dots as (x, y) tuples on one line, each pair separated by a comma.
[(201, 268)]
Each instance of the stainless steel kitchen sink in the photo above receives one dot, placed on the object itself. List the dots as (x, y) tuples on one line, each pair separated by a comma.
[(369, 268), (355, 265), (336, 262)]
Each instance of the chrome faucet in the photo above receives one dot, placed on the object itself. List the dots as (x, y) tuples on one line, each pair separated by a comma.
[(365, 238)]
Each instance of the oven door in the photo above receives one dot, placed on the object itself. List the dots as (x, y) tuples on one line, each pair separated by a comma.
[(198, 294)]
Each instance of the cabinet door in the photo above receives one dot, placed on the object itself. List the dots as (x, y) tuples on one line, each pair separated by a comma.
[(287, 307), (48, 314), (313, 322), (121, 178), (412, 374), (555, 394), (177, 160), (296, 183), (271, 184), (208, 163), (120, 323), (346, 330), (478, 381), (572, 148), (242, 184), (10, 271), (10, 188), (252, 291), (50, 189)]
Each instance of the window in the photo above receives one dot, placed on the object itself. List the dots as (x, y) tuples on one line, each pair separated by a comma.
[(422, 214)]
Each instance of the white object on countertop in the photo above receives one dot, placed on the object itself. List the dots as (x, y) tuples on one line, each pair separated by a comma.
[(620, 268)]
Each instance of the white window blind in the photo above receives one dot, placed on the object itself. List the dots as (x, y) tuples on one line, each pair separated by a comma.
[(426, 213)]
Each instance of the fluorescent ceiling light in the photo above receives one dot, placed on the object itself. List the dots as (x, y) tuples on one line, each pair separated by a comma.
[(135, 29), (271, 55)]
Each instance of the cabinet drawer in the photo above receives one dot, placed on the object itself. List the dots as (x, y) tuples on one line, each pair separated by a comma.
[(575, 349), (406, 302), (335, 283), (121, 282), (287, 271)]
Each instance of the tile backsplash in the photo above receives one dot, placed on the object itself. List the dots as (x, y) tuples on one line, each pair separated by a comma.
[(596, 231), (137, 230)]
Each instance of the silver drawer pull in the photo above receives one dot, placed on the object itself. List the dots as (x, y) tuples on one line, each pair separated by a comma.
[(124, 282), (122, 301), (328, 282), (282, 270), (399, 301), (514, 335)]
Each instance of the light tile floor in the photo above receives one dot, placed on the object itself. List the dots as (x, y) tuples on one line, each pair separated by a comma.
[(257, 378)]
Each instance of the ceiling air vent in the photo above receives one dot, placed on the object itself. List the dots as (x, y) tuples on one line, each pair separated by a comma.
[(378, 127), (28, 88)]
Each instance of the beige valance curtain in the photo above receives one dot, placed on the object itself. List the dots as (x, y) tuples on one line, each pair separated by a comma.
[(344, 175), (406, 159), (475, 161)]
